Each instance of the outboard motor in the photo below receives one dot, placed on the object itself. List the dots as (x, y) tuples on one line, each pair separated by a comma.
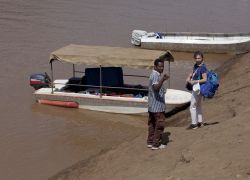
[(40, 80)]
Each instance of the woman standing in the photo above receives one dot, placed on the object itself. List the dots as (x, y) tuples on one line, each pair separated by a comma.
[(198, 75)]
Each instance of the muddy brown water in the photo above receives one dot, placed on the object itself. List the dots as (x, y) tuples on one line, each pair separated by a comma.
[(38, 141)]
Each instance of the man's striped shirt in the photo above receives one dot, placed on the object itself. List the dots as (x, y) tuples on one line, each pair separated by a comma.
[(156, 100)]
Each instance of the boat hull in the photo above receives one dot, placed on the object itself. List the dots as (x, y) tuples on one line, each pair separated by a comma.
[(125, 105), (210, 48), (112, 104), (190, 42)]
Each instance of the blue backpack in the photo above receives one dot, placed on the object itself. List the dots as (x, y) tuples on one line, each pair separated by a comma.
[(209, 88)]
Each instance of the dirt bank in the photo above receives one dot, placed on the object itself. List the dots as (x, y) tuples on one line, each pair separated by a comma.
[(217, 151)]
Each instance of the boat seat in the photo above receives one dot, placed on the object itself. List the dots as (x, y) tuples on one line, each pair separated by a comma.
[(73, 84), (111, 77)]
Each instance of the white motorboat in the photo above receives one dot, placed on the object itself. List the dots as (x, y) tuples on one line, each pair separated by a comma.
[(190, 42), (102, 88)]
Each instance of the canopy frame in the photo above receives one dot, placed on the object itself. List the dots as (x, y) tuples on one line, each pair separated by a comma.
[(107, 56)]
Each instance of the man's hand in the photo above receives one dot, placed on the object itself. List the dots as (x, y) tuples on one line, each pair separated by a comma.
[(165, 77)]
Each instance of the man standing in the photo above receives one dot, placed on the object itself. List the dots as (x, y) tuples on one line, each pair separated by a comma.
[(156, 106)]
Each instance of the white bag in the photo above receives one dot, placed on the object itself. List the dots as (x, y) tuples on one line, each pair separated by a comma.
[(196, 88)]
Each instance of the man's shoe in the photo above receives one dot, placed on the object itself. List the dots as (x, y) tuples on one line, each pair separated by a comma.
[(154, 148), (149, 145), (162, 146)]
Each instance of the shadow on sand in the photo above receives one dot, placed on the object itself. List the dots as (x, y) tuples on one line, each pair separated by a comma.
[(211, 123), (165, 138), (176, 110)]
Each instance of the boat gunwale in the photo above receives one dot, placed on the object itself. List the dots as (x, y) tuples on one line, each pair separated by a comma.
[(205, 34), (91, 96)]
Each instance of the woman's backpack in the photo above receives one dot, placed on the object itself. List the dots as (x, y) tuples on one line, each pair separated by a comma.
[(209, 88)]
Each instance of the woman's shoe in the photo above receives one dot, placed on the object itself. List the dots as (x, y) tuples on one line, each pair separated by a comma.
[(200, 124), (193, 126)]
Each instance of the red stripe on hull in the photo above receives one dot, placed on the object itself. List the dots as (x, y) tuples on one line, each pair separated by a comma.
[(69, 104)]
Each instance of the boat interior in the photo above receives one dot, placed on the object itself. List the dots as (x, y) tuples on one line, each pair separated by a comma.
[(105, 80)]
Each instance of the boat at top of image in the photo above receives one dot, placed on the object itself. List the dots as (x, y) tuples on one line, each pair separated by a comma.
[(102, 88), (191, 41)]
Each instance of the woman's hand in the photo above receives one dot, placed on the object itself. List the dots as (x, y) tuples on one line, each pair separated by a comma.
[(194, 81)]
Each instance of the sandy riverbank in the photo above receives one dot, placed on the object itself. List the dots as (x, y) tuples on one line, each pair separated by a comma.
[(217, 151)]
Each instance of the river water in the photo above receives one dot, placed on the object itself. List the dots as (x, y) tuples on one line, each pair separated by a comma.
[(38, 141)]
